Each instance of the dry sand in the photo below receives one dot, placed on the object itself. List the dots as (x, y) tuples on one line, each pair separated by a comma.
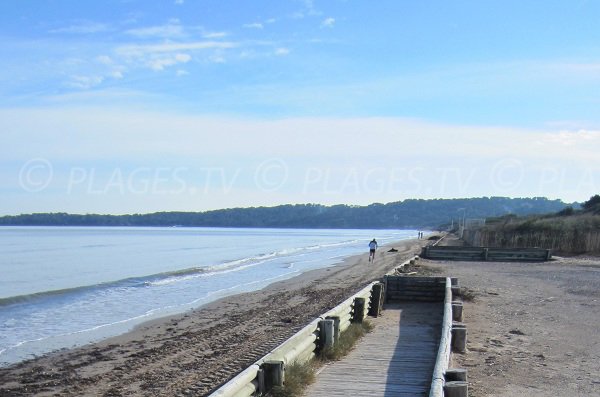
[(193, 353), (533, 328)]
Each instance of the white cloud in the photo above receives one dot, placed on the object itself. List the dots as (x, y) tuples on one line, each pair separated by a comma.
[(83, 27), (328, 22), (104, 59), (255, 25), (391, 158), (179, 2), (117, 74), (165, 61), (282, 51), (173, 29), (85, 82), (215, 35), (136, 50), (572, 138), (182, 72)]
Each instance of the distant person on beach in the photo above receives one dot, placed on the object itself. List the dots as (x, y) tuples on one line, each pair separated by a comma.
[(372, 248)]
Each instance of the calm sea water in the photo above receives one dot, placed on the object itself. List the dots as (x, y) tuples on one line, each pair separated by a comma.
[(64, 287)]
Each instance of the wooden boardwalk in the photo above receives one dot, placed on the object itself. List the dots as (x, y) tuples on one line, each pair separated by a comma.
[(395, 359)]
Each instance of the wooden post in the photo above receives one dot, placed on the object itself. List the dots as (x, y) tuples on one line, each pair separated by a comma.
[(376, 300), (274, 374), (457, 311), (548, 254), (455, 292), (459, 337), (336, 327), (456, 374), (485, 254), (262, 388), (456, 389), (327, 333), (359, 310), (385, 288)]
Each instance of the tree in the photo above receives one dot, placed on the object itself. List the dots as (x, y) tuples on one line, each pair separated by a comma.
[(593, 204)]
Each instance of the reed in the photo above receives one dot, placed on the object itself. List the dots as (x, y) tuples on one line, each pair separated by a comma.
[(576, 234)]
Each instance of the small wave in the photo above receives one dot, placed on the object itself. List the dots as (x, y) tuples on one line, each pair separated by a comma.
[(172, 276)]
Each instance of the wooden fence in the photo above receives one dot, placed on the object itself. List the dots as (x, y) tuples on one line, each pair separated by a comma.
[(569, 241), (486, 254), (269, 371)]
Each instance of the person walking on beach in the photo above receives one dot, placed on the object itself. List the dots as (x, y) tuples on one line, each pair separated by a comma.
[(372, 248)]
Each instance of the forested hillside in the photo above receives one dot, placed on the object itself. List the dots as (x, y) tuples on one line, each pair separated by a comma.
[(402, 214)]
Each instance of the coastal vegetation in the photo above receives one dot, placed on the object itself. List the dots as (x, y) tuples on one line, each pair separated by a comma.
[(568, 231), (298, 376), (407, 214)]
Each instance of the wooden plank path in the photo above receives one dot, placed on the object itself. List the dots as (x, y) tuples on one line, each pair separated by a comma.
[(395, 359)]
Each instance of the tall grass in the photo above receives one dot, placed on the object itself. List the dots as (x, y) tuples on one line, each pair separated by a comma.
[(576, 234)]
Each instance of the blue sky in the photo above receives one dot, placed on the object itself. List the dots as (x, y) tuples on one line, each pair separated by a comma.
[(139, 106)]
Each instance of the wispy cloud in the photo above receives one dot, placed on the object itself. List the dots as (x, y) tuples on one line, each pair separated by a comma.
[(85, 82), (255, 25), (83, 27), (179, 2), (160, 63), (309, 9), (173, 29), (215, 35), (572, 138), (282, 51), (328, 23), (134, 50)]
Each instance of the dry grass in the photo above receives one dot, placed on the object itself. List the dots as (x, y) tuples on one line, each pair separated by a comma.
[(575, 234), (348, 340), (298, 376)]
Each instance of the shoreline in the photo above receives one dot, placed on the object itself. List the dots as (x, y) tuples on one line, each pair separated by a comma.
[(235, 329), (301, 278), (87, 314)]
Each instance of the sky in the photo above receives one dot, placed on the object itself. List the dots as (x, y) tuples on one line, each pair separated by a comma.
[(131, 106)]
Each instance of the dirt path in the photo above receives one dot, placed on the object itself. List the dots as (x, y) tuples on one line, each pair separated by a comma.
[(533, 328), (191, 354)]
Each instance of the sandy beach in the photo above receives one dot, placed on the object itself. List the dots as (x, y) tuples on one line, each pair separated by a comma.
[(532, 330), (195, 352)]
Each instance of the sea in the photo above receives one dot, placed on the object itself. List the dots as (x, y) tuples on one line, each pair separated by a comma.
[(62, 287)]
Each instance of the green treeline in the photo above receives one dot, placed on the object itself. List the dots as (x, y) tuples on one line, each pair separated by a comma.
[(407, 214), (568, 231)]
